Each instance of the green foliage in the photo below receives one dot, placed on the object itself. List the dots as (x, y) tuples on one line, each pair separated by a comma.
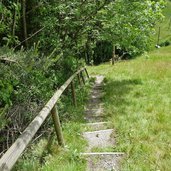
[(165, 43), (6, 91), (102, 52), (29, 80), (165, 27), (69, 27), (46, 155), (130, 24), (10, 19)]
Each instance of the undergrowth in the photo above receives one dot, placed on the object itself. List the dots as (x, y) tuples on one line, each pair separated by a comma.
[(27, 81), (46, 155)]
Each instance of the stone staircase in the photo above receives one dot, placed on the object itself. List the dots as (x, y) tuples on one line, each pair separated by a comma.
[(98, 134)]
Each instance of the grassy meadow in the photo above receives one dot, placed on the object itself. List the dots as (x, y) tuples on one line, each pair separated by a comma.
[(165, 26), (138, 102)]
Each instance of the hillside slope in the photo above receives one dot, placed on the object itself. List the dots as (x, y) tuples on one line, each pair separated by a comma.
[(165, 26), (138, 102)]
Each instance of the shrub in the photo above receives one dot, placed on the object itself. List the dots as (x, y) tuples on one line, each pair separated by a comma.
[(29, 80), (165, 43)]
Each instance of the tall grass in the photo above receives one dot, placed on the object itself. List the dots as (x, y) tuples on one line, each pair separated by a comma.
[(45, 154), (138, 102)]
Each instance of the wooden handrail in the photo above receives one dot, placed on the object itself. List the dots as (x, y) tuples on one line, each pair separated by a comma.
[(13, 153)]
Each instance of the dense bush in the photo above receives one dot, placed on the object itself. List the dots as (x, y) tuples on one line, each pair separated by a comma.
[(165, 43), (29, 80), (102, 52), (68, 28)]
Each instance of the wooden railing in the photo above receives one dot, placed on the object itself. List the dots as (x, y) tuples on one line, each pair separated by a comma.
[(14, 152)]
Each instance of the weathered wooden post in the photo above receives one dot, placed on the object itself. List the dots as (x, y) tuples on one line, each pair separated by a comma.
[(82, 77), (57, 125), (169, 23), (113, 56), (87, 73), (73, 93), (79, 79), (158, 38)]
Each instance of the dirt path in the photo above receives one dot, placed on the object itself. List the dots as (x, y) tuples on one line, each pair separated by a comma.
[(99, 135)]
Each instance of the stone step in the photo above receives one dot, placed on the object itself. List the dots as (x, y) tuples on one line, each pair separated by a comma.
[(94, 112), (103, 153), (91, 119), (98, 88), (98, 134), (107, 161), (95, 101), (99, 139), (94, 105), (99, 79), (97, 96), (97, 126)]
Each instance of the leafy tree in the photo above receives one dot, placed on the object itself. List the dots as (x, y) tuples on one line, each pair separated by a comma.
[(130, 24), (71, 26)]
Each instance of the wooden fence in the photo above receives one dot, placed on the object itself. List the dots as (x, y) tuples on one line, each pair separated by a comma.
[(14, 152)]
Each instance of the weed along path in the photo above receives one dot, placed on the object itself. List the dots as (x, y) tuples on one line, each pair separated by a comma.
[(99, 135)]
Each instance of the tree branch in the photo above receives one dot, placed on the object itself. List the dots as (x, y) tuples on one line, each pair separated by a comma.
[(30, 37), (6, 60)]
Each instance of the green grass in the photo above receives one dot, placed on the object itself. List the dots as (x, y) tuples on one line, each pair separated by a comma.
[(138, 102), (45, 154), (165, 27), (68, 159)]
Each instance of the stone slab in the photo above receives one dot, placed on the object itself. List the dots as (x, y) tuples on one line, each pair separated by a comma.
[(96, 126), (99, 139), (103, 161)]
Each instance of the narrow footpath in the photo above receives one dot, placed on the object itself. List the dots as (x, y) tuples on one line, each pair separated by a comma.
[(98, 134)]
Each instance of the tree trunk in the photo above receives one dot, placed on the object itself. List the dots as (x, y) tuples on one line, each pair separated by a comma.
[(24, 22), (169, 24), (14, 22), (113, 56), (158, 39)]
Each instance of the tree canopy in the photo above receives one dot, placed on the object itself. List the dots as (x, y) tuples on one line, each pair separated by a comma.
[(68, 26)]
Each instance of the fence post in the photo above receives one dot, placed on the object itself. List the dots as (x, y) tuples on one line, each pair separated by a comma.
[(87, 73), (82, 77), (79, 79), (73, 93), (169, 23), (158, 38), (57, 125), (113, 56)]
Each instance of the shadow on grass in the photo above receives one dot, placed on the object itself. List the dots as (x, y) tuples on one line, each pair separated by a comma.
[(117, 94)]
